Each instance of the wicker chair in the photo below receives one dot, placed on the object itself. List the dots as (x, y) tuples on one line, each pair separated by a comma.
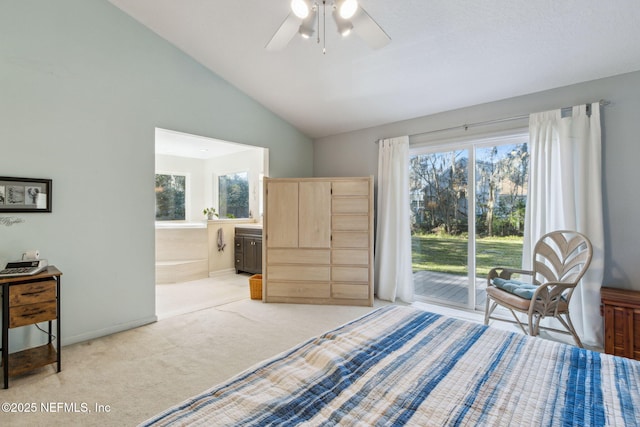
[(560, 259)]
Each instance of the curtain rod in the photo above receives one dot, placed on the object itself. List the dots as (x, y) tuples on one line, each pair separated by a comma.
[(602, 103)]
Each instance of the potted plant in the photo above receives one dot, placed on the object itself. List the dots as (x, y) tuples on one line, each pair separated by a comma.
[(210, 212)]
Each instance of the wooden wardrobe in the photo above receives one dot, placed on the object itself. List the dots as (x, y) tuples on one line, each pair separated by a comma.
[(318, 240)]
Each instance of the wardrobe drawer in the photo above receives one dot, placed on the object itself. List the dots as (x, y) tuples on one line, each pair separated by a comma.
[(298, 290), (348, 291), (31, 293), (298, 273), (351, 205), (346, 239), (350, 188), (299, 256), (350, 256), (32, 313), (350, 274), (350, 222)]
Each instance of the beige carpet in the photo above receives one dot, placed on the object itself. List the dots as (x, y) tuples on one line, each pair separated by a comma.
[(135, 374)]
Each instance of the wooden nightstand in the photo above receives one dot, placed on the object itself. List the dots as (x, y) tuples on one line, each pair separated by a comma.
[(27, 300), (621, 309)]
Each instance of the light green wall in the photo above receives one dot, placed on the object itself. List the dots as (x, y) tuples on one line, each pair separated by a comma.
[(82, 89)]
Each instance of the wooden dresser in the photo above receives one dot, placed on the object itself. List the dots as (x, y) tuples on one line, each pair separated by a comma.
[(28, 300), (621, 309), (318, 245)]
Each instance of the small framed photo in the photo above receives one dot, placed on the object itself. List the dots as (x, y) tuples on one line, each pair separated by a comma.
[(25, 194)]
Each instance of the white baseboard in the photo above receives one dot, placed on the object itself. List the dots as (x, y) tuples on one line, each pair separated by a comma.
[(108, 331)]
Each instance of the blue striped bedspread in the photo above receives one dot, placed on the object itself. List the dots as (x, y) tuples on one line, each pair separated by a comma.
[(404, 366)]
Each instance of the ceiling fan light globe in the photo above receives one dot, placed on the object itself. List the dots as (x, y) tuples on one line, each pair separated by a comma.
[(307, 28), (347, 8), (300, 8), (343, 26), (306, 32)]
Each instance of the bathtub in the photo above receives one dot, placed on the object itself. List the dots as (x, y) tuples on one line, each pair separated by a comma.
[(181, 252)]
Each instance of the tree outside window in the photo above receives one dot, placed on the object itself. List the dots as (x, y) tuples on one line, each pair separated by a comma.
[(170, 197), (233, 199)]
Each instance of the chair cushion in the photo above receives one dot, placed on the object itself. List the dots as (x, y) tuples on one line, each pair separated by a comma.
[(510, 300), (521, 289)]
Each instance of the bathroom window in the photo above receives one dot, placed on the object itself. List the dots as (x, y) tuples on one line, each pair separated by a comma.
[(170, 197), (233, 193)]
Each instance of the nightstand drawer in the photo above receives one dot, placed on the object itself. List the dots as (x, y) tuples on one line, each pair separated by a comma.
[(32, 313), (31, 293)]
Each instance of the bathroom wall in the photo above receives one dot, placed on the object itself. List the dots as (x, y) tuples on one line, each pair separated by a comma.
[(202, 178)]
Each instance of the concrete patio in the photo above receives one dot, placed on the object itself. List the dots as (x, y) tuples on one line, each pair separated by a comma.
[(448, 288)]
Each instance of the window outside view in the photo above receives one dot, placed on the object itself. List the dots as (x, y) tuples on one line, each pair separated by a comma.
[(234, 195), (170, 197), (446, 210)]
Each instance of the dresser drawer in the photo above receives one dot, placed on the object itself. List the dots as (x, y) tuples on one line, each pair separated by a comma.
[(350, 188), (350, 257), (349, 291), (298, 273), (350, 274), (347, 239), (298, 290), (32, 313), (350, 222), (300, 256), (344, 205), (31, 293)]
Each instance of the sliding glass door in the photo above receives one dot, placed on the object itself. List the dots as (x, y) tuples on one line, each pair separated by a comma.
[(467, 208)]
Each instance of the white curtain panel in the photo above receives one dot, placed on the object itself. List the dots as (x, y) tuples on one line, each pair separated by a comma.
[(565, 193), (393, 275)]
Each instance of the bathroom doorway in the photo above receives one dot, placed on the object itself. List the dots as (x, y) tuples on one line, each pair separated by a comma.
[(194, 253)]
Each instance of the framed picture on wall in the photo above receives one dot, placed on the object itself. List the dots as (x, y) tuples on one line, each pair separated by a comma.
[(25, 194)]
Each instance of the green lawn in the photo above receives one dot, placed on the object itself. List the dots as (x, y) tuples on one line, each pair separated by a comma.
[(448, 254)]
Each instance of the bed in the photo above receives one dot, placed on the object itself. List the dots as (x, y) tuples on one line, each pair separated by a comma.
[(404, 366)]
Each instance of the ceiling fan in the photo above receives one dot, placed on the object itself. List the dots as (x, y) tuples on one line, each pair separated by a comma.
[(347, 14)]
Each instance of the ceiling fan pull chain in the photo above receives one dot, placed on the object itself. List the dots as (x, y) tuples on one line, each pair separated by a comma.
[(318, 19), (324, 27)]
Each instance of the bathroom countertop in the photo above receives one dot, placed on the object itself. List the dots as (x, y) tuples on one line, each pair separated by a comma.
[(250, 225)]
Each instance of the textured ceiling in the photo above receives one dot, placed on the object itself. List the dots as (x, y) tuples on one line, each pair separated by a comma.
[(444, 54), (180, 144)]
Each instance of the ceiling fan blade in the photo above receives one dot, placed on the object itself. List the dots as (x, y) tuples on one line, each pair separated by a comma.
[(285, 33), (369, 30)]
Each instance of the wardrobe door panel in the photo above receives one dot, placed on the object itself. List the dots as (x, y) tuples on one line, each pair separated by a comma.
[(282, 215), (315, 214)]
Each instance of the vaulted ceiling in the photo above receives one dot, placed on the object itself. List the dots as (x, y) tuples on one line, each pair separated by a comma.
[(444, 54)]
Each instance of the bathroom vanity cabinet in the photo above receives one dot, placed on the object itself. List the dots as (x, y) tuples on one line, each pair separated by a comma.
[(248, 249)]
